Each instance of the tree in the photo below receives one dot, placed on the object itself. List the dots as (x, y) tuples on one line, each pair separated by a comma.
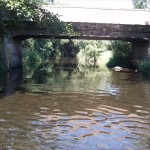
[(121, 54), (141, 4), (90, 52), (13, 13)]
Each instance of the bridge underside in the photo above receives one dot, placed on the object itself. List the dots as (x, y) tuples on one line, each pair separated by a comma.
[(82, 37)]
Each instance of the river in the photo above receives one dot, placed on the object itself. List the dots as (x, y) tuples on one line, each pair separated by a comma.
[(71, 110)]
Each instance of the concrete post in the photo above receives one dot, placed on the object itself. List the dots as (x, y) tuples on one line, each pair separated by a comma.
[(14, 81), (149, 49), (12, 50)]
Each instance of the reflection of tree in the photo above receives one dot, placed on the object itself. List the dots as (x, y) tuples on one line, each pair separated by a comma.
[(42, 58), (41, 72)]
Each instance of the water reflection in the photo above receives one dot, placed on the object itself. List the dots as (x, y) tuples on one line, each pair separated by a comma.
[(12, 81), (92, 110)]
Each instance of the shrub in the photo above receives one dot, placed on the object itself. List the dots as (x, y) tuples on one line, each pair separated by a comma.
[(32, 57), (121, 53), (90, 53), (144, 67)]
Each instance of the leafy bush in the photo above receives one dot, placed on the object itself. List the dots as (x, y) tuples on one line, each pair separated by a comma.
[(32, 57), (42, 72), (121, 53), (90, 53), (144, 67)]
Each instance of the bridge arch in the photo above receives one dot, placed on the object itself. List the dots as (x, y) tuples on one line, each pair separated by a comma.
[(137, 34)]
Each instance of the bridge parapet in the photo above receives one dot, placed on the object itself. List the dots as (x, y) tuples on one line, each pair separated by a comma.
[(113, 30), (93, 31)]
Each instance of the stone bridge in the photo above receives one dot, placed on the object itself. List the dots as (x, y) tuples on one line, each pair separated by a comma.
[(96, 24)]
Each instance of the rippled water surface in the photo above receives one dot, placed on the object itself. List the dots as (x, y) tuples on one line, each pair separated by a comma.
[(99, 111)]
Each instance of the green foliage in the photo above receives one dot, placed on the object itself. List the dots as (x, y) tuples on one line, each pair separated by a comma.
[(31, 61), (42, 46), (13, 13), (32, 57), (50, 49), (45, 49), (141, 4), (144, 67), (121, 53), (90, 52), (42, 72), (39, 51)]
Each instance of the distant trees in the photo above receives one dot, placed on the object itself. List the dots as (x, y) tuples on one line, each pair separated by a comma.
[(141, 4)]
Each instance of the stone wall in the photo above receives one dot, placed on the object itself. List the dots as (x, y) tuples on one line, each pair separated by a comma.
[(113, 31)]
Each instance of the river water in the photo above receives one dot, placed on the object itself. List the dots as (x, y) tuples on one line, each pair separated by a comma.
[(91, 110)]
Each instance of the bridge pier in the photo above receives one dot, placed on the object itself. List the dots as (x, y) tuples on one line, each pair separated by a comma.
[(12, 52), (140, 50), (149, 49)]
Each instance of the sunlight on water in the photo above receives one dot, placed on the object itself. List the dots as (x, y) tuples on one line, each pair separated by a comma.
[(99, 111)]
